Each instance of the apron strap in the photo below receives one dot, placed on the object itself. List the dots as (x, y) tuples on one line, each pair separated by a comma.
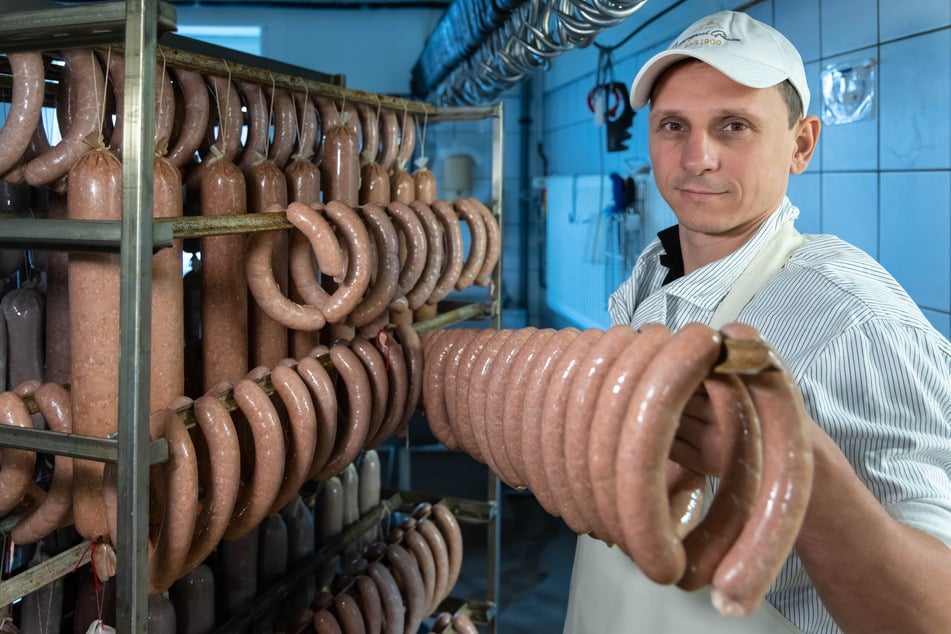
[(770, 258)]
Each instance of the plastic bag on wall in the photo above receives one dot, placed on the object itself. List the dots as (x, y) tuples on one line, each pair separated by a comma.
[(848, 92)]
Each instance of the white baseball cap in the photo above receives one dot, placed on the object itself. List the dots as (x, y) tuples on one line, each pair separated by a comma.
[(745, 50)]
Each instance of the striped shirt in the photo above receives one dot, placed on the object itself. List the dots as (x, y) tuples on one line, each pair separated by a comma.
[(873, 372)]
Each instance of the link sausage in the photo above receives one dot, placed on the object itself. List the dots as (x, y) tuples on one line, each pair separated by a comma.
[(352, 431), (643, 446), (256, 498), (219, 474), (26, 103)]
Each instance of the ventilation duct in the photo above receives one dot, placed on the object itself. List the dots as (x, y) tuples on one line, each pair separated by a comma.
[(481, 48)]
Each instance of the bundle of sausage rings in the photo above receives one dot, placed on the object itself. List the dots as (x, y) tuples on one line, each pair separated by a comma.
[(586, 421)]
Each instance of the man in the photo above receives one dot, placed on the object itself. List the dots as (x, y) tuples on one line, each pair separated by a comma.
[(726, 129)]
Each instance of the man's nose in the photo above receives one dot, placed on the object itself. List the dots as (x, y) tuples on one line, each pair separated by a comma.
[(699, 153)]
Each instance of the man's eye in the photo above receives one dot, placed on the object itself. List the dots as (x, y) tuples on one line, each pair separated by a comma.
[(671, 126), (735, 126)]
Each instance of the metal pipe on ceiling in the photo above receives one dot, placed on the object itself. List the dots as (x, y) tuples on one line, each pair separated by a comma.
[(468, 62)]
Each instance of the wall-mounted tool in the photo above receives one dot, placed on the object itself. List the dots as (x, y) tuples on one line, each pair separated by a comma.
[(610, 105)]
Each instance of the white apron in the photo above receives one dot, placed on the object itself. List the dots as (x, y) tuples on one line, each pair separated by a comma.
[(609, 593)]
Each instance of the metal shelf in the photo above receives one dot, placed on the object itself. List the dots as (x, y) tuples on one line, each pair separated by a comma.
[(38, 25), (135, 26)]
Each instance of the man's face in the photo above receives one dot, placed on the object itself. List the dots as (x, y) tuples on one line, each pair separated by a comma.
[(721, 152)]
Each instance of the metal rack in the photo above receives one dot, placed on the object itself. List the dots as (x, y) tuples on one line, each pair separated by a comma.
[(134, 25)]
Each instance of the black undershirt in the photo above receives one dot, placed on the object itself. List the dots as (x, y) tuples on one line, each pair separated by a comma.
[(672, 257)]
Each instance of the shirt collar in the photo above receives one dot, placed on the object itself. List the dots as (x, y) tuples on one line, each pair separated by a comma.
[(709, 284)]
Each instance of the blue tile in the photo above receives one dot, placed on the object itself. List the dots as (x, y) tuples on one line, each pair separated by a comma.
[(941, 321), (848, 146), (850, 208), (804, 191), (916, 103), (900, 19), (915, 240), (798, 20), (848, 25)]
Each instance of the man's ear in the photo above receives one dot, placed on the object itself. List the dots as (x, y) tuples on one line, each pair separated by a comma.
[(807, 136)]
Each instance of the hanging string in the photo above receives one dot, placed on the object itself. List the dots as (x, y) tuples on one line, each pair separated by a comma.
[(270, 116), (161, 95), (105, 88)]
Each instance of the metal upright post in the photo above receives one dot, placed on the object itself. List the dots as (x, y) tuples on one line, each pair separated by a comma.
[(494, 543), (135, 316)]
